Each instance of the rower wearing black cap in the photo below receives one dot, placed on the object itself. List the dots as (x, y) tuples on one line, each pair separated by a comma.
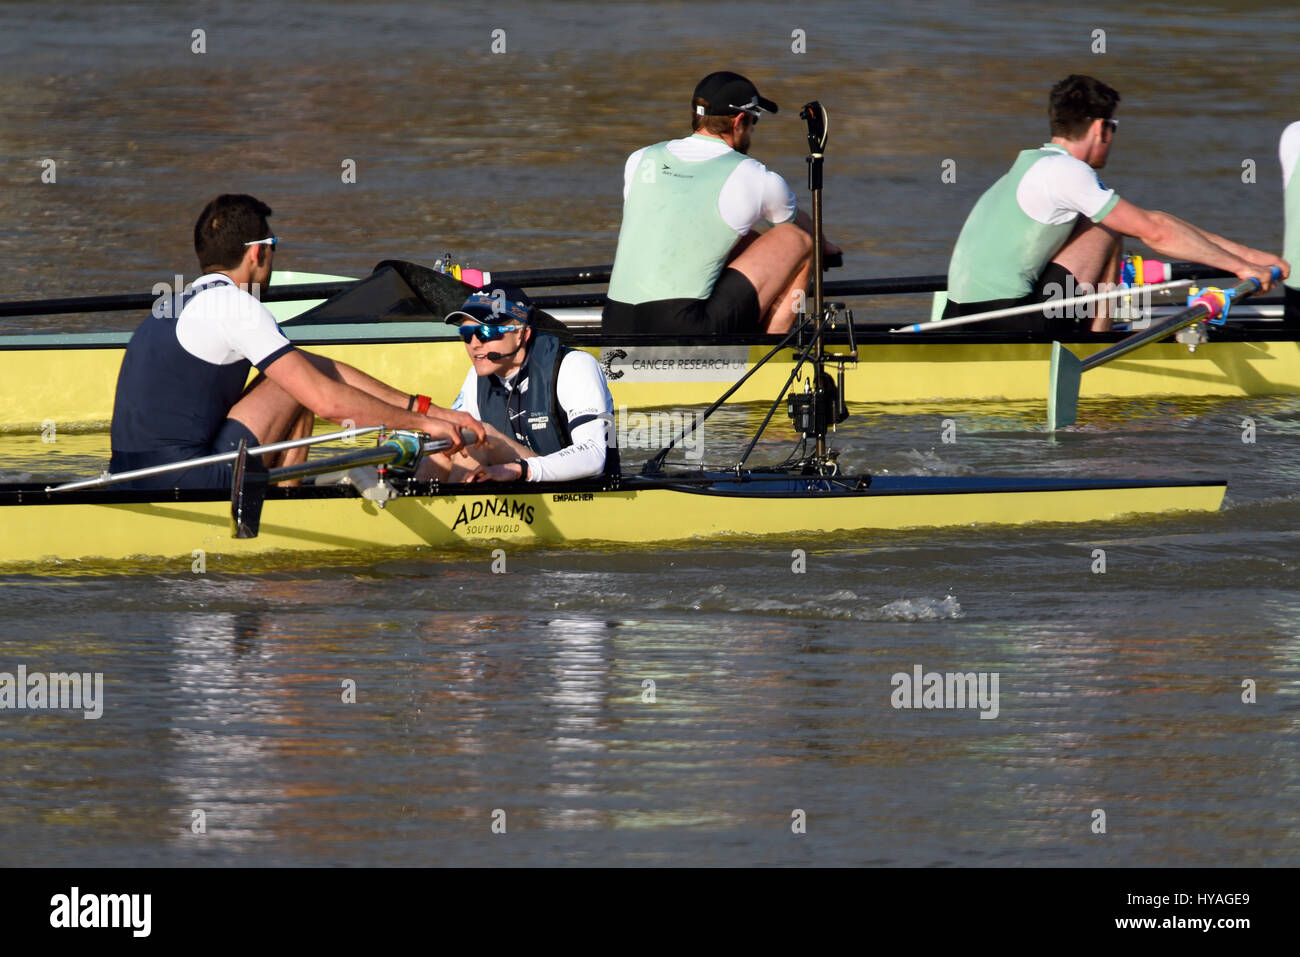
[(688, 260), (546, 408)]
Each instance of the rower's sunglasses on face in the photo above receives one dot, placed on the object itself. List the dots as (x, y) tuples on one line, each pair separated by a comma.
[(487, 331), (263, 242), (750, 109), (1111, 125)]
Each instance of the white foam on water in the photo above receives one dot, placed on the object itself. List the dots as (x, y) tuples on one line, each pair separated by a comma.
[(931, 463), (922, 609)]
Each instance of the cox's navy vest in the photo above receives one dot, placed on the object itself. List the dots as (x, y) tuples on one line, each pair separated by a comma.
[(535, 418), (168, 399)]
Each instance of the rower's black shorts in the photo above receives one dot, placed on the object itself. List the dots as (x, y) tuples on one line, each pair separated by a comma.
[(1291, 313), (1035, 323), (731, 309), (218, 475)]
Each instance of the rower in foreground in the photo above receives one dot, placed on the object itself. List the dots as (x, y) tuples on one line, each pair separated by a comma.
[(1289, 153), (546, 408), (1049, 227), (181, 389), (688, 260)]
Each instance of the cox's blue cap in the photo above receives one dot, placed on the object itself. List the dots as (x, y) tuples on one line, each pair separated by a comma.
[(497, 303)]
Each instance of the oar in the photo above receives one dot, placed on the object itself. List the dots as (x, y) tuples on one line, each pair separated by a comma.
[(569, 276), (1040, 307), (401, 448), (1067, 368), (107, 479), (527, 278), (248, 488), (144, 301)]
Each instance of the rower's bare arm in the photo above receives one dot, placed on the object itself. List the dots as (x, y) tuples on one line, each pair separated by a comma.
[(500, 462), (342, 372), (1173, 237), (1256, 256), (474, 463), (339, 401), (354, 377), (459, 420)]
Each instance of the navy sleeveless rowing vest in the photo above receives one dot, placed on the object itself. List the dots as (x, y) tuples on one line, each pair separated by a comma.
[(168, 399)]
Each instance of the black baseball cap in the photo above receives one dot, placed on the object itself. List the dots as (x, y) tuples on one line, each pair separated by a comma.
[(726, 94), (498, 302)]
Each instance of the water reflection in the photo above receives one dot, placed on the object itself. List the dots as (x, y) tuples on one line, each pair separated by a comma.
[(222, 760)]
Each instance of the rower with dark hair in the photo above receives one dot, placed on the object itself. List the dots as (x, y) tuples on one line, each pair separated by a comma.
[(1049, 224), (546, 407), (181, 391), (688, 260)]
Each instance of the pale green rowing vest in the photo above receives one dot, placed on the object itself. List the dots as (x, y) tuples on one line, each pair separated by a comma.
[(1291, 242), (673, 241), (1002, 251)]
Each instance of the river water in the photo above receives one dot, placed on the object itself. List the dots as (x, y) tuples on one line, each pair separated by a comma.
[(521, 700)]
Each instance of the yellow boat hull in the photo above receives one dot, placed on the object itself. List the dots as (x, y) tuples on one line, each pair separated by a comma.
[(68, 383), (165, 535), (73, 388)]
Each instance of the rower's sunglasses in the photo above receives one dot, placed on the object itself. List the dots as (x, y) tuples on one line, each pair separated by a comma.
[(1111, 125), (487, 331), (750, 109), (263, 242)]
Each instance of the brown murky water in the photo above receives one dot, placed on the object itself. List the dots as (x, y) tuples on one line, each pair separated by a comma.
[(524, 692)]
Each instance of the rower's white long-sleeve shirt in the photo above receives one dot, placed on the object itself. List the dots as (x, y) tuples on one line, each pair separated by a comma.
[(583, 395)]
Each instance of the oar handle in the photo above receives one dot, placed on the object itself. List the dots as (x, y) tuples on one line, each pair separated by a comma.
[(402, 448), (1209, 304)]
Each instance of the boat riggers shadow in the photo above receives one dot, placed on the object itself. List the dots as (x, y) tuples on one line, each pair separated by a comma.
[(1209, 305)]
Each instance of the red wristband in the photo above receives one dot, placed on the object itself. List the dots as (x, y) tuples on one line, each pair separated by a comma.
[(422, 404)]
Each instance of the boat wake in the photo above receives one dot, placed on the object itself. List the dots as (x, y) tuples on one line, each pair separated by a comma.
[(839, 606), (928, 463)]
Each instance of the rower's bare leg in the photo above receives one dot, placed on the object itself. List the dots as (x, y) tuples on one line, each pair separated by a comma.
[(1092, 254), (273, 415), (777, 265), (1109, 283), (498, 450), (796, 298)]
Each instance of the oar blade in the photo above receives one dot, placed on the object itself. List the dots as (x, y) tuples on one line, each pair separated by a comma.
[(247, 492), (1063, 388)]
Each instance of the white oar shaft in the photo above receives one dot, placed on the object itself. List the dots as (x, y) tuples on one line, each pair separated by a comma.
[(1040, 306), (210, 460)]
